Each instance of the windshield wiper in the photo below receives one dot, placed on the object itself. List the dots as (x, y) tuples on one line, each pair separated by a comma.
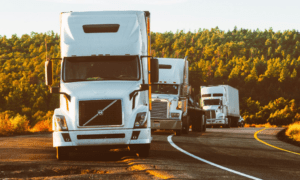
[(126, 77), (75, 80), (101, 78)]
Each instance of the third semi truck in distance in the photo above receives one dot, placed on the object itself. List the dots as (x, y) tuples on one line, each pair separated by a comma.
[(170, 99), (221, 104), (105, 78)]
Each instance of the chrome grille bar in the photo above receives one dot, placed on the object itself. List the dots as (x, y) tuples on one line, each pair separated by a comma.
[(160, 109)]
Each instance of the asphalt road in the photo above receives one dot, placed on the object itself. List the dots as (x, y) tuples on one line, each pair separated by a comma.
[(217, 154)]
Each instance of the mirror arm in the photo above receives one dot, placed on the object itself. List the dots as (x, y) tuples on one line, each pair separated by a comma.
[(55, 90), (67, 95), (144, 87)]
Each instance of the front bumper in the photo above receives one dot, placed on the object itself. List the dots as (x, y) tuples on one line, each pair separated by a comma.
[(166, 124), (215, 122), (102, 137)]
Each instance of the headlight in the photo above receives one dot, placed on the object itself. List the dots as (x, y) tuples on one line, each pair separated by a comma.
[(60, 123), (175, 114), (220, 117), (141, 120), (179, 105)]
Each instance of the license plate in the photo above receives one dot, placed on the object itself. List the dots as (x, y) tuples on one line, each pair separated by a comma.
[(156, 124)]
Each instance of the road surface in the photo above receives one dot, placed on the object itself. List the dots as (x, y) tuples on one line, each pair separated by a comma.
[(216, 154)]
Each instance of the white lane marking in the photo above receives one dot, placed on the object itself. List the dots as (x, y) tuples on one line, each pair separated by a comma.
[(208, 162)]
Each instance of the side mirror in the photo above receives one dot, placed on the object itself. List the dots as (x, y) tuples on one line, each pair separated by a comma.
[(54, 90), (48, 73), (182, 98), (154, 70), (144, 87)]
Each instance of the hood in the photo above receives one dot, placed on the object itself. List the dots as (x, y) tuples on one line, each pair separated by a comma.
[(170, 97), (214, 107), (89, 90)]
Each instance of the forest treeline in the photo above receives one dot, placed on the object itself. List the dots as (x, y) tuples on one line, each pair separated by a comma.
[(263, 65)]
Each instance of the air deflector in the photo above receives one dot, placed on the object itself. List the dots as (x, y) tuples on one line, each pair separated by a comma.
[(101, 28)]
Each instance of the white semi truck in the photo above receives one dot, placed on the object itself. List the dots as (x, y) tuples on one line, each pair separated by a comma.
[(172, 109), (221, 104), (105, 82)]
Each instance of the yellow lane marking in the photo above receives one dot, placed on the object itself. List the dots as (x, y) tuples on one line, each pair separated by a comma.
[(255, 136)]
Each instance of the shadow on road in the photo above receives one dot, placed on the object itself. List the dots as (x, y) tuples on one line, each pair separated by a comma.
[(107, 156)]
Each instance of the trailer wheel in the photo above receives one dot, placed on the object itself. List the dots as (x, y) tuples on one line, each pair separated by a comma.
[(234, 122), (178, 132), (61, 153), (194, 127), (228, 124), (186, 127)]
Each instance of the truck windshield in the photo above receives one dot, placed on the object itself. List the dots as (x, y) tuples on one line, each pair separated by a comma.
[(210, 102), (164, 89), (101, 68)]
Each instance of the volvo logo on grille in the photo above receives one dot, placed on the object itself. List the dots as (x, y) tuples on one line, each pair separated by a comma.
[(100, 112)]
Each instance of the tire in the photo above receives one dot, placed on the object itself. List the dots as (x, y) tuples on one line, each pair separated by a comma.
[(242, 124), (186, 128), (62, 153), (178, 132), (144, 151), (228, 124), (204, 126), (193, 128)]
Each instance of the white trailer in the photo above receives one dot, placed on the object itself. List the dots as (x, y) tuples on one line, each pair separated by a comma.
[(104, 82), (221, 104)]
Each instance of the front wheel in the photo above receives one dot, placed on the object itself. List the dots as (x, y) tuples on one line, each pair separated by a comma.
[(242, 124), (144, 151), (204, 125), (62, 153)]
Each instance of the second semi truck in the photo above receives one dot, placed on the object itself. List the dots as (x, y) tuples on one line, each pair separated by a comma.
[(172, 107)]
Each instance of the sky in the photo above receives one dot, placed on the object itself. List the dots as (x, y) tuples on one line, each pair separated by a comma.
[(24, 16)]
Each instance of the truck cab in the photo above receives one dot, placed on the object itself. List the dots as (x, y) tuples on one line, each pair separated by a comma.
[(104, 82), (169, 96)]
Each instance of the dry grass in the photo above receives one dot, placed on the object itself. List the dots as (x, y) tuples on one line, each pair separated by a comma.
[(13, 125), (42, 126), (18, 124), (293, 131)]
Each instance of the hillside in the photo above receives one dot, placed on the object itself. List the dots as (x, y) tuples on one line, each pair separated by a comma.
[(263, 65)]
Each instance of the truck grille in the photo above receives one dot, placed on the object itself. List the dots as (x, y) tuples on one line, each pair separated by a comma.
[(90, 110), (210, 114), (159, 109)]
